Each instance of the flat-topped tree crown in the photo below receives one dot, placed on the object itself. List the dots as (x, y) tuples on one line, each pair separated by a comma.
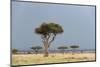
[(14, 51), (36, 48), (48, 32), (74, 46), (47, 28), (63, 47)]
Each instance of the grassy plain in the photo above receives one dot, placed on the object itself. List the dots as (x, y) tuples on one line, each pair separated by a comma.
[(24, 59)]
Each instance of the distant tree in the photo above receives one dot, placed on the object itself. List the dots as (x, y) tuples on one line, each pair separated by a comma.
[(28, 52), (14, 51), (74, 47), (63, 48), (36, 48), (48, 32)]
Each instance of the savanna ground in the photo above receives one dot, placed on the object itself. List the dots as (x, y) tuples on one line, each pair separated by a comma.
[(25, 59)]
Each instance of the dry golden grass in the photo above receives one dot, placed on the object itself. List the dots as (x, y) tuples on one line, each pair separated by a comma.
[(24, 59)]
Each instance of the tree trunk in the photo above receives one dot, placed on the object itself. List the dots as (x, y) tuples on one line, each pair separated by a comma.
[(46, 54), (36, 52)]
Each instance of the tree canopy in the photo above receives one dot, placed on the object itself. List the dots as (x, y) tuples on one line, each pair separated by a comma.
[(36, 48), (14, 51), (74, 46), (48, 28), (63, 47)]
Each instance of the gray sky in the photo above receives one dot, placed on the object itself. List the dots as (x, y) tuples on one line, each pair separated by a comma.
[(78, 23)]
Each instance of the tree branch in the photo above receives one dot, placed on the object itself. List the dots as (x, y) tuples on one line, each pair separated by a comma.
[(54, 35), (43, 38), (48, 36)]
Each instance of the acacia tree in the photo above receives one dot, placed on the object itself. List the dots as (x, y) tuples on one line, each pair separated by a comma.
[(48, 32), (74, 47), (63, 48), (14, 51), (36, 48)]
